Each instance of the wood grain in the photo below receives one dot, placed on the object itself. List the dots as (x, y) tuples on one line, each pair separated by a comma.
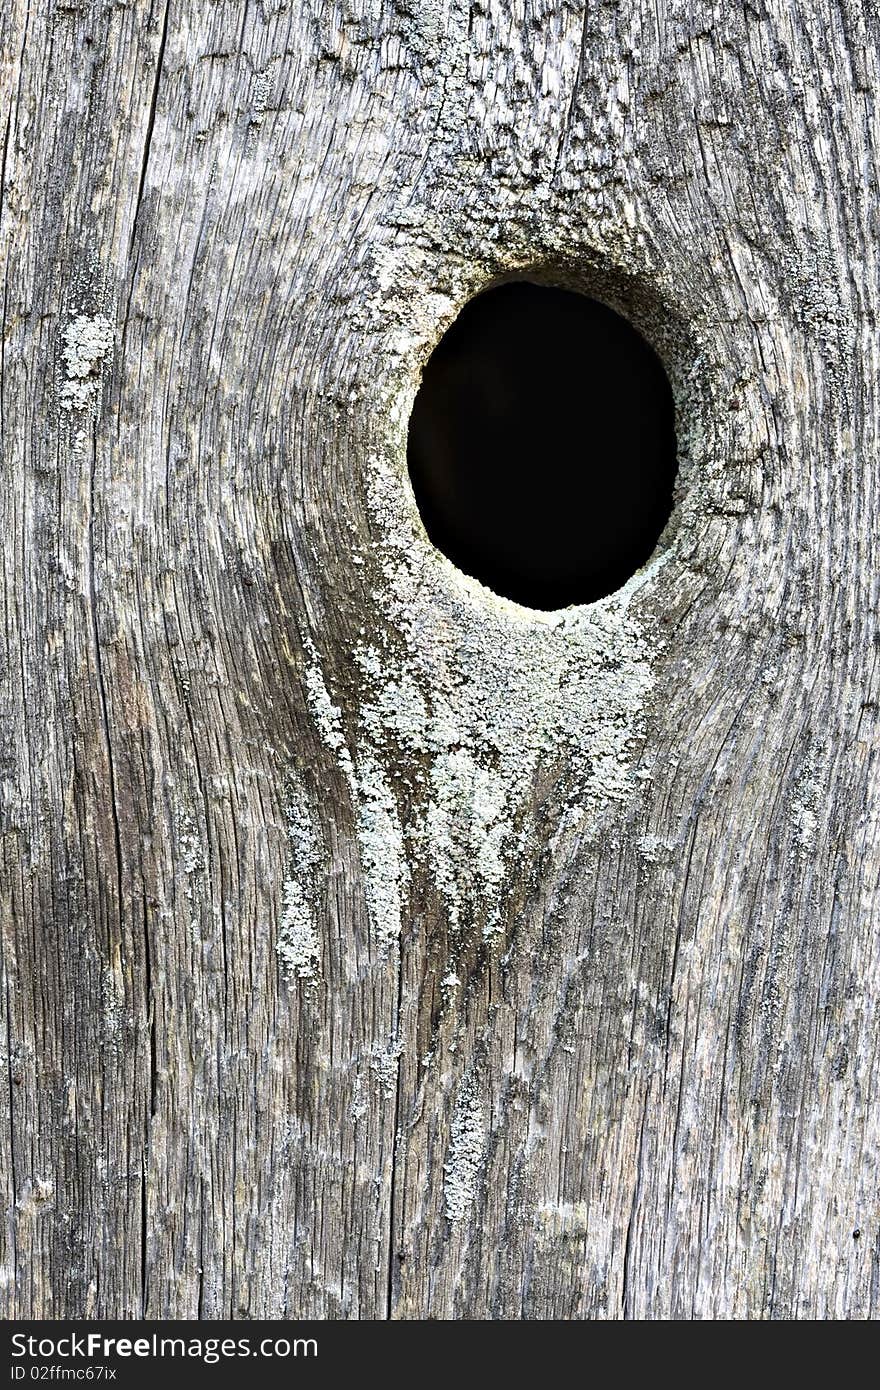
[(370, 947)]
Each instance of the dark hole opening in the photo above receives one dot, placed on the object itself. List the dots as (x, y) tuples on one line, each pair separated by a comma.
[(542, 446)]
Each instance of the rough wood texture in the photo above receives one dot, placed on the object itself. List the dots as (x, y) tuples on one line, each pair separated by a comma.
[(372, 947)]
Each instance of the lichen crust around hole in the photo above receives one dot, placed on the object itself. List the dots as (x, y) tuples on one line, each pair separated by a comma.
[(472, 694), (464, 699)]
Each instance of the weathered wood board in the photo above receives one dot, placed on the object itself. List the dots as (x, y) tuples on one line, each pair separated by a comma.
[(372, 947)]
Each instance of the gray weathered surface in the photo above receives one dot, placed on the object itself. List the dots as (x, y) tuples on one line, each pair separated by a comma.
[(370, 946)]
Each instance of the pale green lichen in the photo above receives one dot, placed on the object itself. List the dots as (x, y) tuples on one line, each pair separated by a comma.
[(298, 945), (327, 715), (806, 804), (87, 344), (380, 837), (466, 829), (385, 1065), (382, 850), (464, 698), (192, 860), (467, 1141), (485, 691), (654, 849)]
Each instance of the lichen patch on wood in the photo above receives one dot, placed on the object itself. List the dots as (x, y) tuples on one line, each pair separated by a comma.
[(88, 341), (495, 694), (467, 1141), (298, 943)]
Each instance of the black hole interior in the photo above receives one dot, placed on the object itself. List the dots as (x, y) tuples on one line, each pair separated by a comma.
[(542, 445)]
